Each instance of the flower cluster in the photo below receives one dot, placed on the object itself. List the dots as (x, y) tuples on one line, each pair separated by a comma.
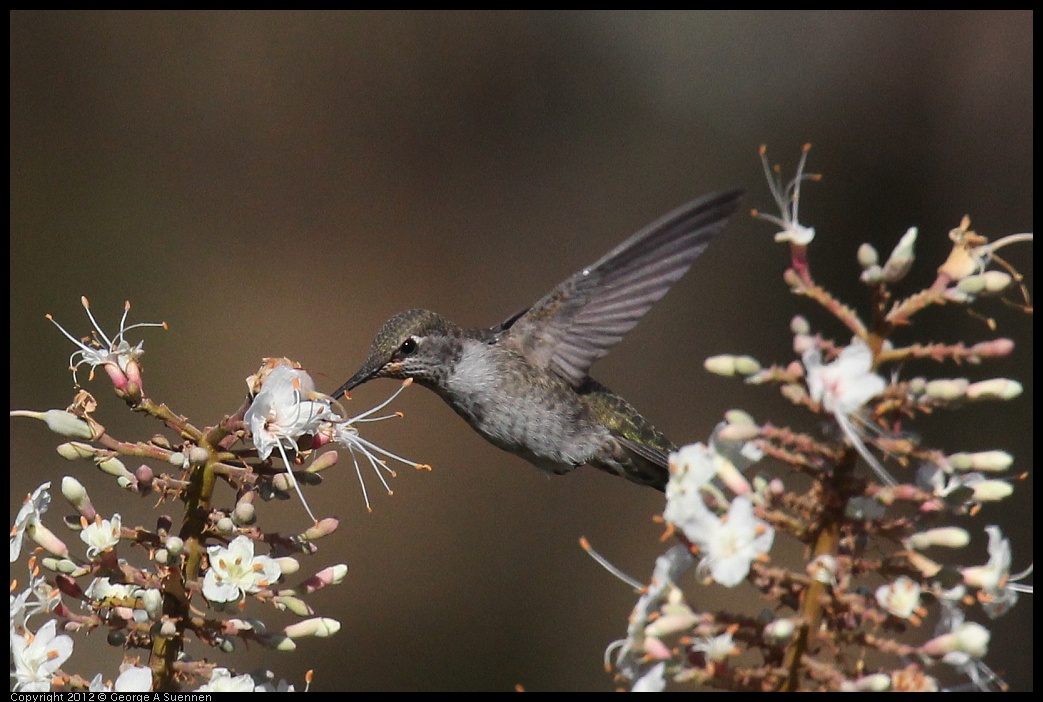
[(154, 589), (872, 607)]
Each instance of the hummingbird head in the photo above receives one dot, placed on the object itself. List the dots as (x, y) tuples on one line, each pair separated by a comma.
[(413, 344)]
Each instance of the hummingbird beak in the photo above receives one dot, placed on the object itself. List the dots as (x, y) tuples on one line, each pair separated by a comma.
[(365, 373)]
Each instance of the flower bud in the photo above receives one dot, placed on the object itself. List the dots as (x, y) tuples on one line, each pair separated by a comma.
[(958, 297), (45, 537), (972, 285), (287, 565), (143, 475), (722, 364), (673, 623), (872, 275), (76, 494), (779, 631), (174, 544), (949, 537), (901, 259), (991, 490), (994, 389), (923, 564), (867, 256), (59, 565), (319, 627), (282, 482), (994, 348), (946, 389), (197, 456), (152, 602), (244, 513), (280, 643), (225, 526), (323, 462), (996, 281), (114, 466), (324, 527), (60, 422), (738, 416), (986, 461), (331, 575), (731, 476), (738, 432), (746, 365), (74, 450), (970, 638), (294, 604)]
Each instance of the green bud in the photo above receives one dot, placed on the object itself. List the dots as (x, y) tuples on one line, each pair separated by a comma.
[(74, 450)]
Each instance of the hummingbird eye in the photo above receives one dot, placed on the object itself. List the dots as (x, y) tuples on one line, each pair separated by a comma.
[(408, 347)]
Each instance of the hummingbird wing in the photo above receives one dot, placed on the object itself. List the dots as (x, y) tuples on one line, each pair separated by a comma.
[(577, 322)]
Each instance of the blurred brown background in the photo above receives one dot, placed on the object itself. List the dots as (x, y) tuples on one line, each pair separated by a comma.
[(280, 183)]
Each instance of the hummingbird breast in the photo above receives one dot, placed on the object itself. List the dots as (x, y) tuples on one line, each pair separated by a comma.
[(520, 409)]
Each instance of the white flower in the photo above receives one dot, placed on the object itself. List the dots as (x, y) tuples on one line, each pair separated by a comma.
[(235, 571), (787, 197), (285, 410), (962, 645), (731, 544), (901, 598), (116, 355), (691, 468), (29, 515), (843, 387), (668, 569), (135, 678), (45, 598), (101, 534), (129, 601), (102, 589), (716, 648), (221, 680), (848, 383), (994, 578), (37, 657)]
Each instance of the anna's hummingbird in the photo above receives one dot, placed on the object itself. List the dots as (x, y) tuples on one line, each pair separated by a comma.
[(523, 383)]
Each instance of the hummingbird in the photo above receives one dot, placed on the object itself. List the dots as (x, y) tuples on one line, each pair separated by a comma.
[(524, 385)]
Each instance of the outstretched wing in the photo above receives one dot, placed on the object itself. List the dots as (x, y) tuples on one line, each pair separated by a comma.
[(587, 314)]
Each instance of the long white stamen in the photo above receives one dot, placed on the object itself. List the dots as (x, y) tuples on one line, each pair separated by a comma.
[(383, 404), (387, 453), (381, 418), (1009, 239), (603, 562), (70, 337), (87, 306), (377, 466), (852, 434), (358, 472), (293, 480)]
